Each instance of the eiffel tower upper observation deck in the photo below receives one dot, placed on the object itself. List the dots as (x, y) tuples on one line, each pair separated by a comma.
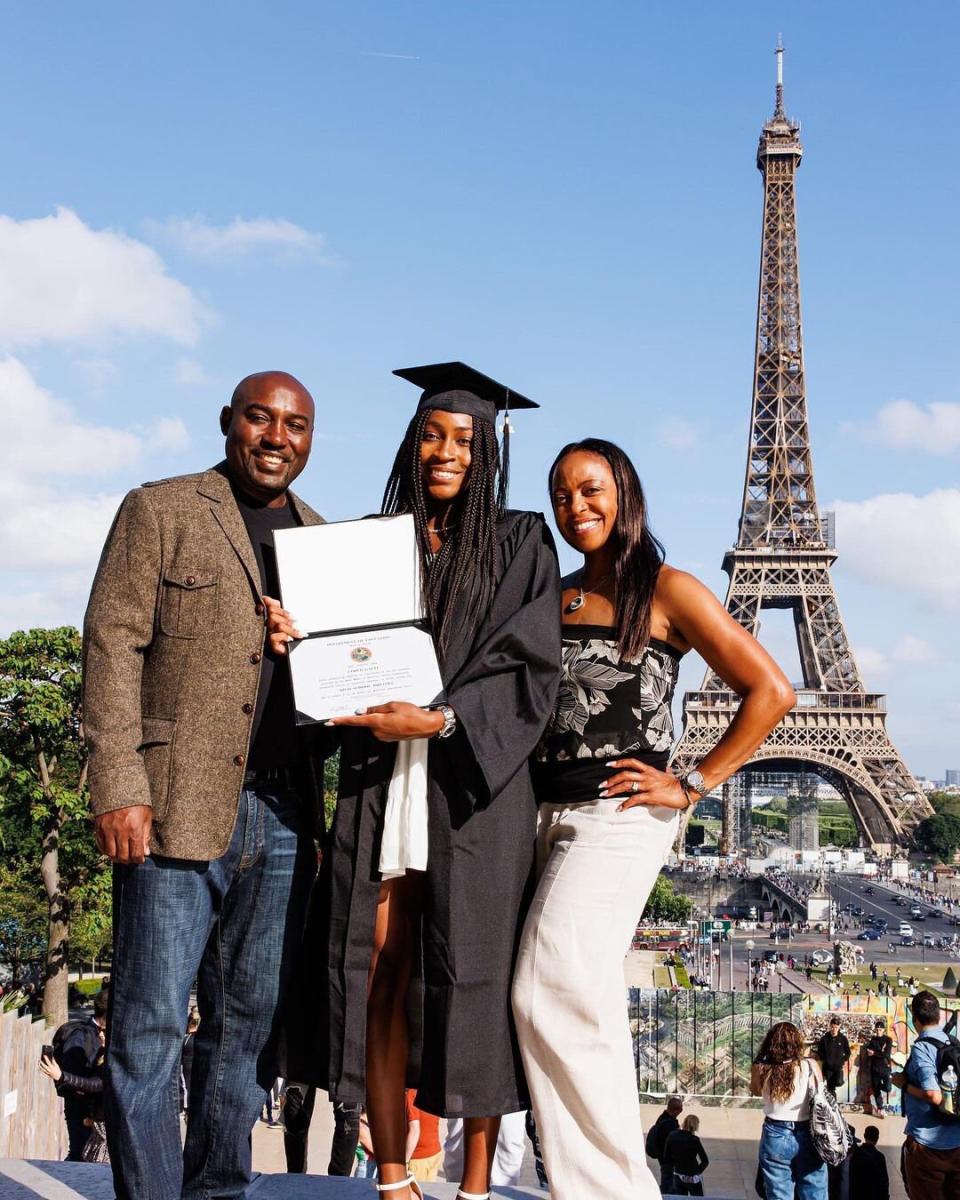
[(785, 550)]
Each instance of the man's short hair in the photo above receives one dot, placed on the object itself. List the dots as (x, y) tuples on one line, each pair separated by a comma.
[(101, 1002), (834, 1020), (872, 1134), (925, 1008), (879, 1023), (674, 1104)]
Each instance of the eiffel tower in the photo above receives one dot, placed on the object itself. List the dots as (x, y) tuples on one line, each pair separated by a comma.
[(784, 552)]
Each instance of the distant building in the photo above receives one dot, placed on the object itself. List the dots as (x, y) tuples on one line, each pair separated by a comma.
[(951, 778)]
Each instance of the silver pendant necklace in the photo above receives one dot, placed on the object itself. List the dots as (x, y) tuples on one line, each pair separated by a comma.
[(578, 601)]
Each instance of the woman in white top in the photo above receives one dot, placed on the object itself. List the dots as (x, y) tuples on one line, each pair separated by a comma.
[(785, 1078)]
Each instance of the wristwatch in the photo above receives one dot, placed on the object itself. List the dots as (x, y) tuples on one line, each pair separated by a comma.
[(449, 726), (693, 781)]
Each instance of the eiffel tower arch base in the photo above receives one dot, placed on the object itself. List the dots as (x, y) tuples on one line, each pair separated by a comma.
[(842, 738)]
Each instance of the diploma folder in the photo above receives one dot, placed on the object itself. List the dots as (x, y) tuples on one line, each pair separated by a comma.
[(354, 591)]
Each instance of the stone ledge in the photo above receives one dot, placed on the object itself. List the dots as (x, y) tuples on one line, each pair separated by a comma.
[(23, 1180)]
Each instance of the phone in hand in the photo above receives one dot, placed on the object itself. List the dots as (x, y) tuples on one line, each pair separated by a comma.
[(46, 1052)]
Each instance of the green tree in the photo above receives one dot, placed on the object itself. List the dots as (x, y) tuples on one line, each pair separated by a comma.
[(44, 821), (23, 917), (666, 904), (91, 923), (939, 835)]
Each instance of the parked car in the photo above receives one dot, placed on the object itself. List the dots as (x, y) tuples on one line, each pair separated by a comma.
[(920, 916), (905, 930), (858, 910), (929, 940), (907, 940), (869, 935), (771, 956), (822, 958)]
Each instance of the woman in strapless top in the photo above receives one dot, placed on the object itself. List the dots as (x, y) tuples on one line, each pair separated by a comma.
[(609, 810)]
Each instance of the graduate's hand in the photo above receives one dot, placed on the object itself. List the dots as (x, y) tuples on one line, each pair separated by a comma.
[(397, 721), (643, 784), (281, 627)]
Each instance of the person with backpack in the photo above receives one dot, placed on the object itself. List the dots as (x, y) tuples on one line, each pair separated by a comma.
[(655, 1144), (931, 1153), (75, 1064), (790, 1165)]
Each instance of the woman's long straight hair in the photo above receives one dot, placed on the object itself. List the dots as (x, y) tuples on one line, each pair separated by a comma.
[(465, 565), (639, 553)]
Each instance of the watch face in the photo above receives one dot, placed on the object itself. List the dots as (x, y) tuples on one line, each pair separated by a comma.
[(697, 782)]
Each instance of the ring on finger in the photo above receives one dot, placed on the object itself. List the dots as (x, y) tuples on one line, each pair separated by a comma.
[(635, 786)]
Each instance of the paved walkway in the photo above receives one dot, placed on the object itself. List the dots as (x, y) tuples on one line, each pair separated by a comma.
[(730, 1137)]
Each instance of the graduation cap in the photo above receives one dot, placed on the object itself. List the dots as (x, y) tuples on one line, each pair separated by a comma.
[(454, 387)]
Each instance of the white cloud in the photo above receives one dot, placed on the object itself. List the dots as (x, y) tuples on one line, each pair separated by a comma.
[(50, 440), (167, 433), (47, 530), (911, 649), (190, 373), (678, 433), (198, 237), (62, 281), (904, 541), (903, 425), (872, 662)]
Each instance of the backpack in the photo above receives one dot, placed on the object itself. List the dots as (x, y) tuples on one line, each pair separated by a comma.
[(833, 1138), (948, 1055), (655, 1139)]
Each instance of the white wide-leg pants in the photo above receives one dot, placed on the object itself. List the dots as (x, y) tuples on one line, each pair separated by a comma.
[(597, 868)]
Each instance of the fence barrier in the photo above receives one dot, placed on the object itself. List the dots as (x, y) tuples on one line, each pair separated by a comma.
[(31, 1112)]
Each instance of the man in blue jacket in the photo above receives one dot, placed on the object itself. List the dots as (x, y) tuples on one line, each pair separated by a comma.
[(932, 1150)]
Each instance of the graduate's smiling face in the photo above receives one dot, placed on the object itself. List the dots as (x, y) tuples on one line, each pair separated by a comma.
[(584, 496), (446, 451)]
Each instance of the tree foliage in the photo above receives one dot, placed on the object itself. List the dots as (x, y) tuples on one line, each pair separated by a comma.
[(666, 903), (939, 835), (44, 821)]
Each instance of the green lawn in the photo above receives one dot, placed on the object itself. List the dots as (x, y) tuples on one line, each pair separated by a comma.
[(929, 975)]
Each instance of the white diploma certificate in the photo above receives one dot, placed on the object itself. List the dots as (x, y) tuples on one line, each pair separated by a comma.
[(353, 589)]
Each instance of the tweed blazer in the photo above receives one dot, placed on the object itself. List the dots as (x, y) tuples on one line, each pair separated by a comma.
[(172, 646)]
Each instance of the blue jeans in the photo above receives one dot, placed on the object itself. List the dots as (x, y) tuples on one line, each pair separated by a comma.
[(789, 1164), (233, 925)]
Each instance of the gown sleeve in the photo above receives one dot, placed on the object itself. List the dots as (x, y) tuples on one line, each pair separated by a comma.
[(504, 692)]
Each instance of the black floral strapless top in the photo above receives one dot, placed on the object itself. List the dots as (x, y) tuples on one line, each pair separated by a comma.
[(607, 707)]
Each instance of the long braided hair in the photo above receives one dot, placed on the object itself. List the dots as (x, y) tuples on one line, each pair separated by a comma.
[(465, 564), (639, 553)]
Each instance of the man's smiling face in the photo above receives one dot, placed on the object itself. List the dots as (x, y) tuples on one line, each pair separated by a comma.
[(269, 429)]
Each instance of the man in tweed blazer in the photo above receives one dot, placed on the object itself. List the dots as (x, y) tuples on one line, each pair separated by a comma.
[(203, 797)]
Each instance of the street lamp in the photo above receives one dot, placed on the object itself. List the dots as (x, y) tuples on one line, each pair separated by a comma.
[(780, 968), (749, 945)]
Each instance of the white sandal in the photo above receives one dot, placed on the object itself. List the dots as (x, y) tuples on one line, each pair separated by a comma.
[(462, 1195), (409, 1182)]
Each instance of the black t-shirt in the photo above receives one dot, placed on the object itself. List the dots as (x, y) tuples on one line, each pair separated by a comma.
[(882, 1047), (273, 737)]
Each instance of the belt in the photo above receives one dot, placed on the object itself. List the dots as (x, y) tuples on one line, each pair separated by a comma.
[(790, 1124), (271, 776)]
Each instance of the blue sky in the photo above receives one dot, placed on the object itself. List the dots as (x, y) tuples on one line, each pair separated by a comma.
[(562, 194)]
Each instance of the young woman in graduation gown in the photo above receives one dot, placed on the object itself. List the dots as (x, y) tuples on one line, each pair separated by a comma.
[(609, 811), (491, 586)]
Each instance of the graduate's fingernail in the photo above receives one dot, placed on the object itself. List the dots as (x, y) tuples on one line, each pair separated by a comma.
[(358, 712), (329, 722)]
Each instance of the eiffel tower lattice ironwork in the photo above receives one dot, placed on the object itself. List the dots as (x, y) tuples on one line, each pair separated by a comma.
[(785, 550)]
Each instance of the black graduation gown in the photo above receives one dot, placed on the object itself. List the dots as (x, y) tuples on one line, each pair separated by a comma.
[(501, 680)]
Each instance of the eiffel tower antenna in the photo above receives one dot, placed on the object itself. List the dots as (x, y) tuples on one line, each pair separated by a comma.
[(778, 111), (784, 554)]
